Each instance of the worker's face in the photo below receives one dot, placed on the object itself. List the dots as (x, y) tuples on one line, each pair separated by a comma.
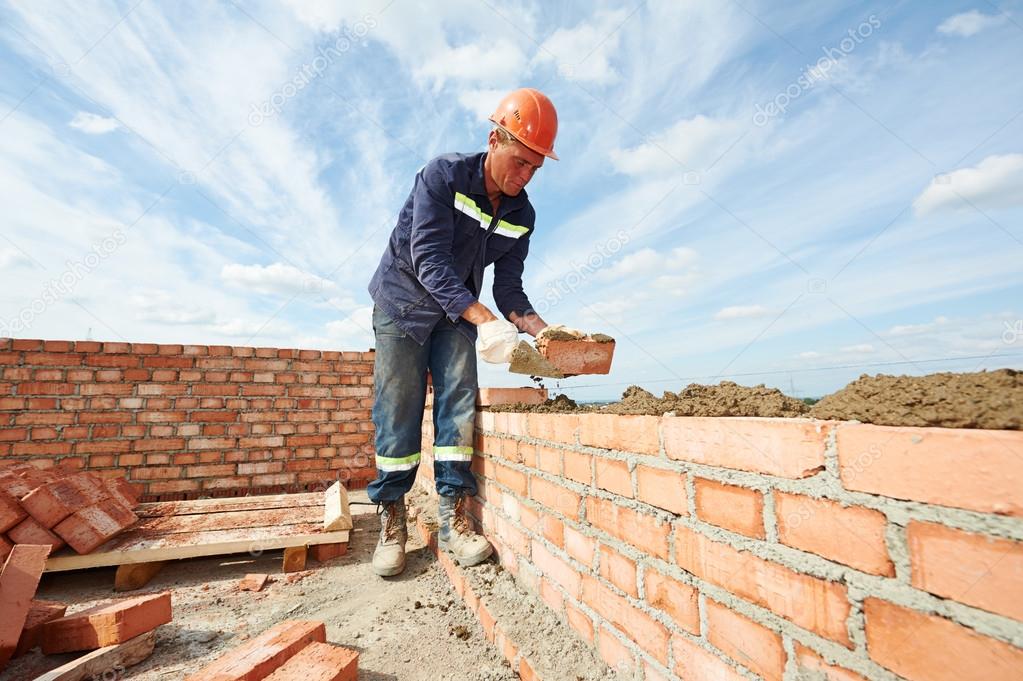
[(512, 165)]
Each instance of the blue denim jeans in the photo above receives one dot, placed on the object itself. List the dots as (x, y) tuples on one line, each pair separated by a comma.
[(400, 397)]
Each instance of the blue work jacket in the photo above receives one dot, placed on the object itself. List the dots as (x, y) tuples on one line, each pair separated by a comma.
[(446, 235)]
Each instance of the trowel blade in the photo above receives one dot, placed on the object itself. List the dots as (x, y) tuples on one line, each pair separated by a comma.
[(527, 360)]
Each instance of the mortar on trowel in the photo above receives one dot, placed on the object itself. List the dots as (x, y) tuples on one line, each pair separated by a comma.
[(560, 355)]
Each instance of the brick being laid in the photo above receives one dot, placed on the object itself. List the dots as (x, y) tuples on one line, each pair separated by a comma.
[(106, 624)]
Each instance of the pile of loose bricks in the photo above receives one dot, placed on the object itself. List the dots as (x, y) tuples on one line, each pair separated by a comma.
[(742, 548), (56, 506), (28, 623), (185, 421)]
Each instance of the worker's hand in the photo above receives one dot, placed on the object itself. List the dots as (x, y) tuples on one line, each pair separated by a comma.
[(497, 340), (558, 329)]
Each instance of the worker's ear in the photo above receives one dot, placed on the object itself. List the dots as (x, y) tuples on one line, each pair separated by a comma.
[(492, 140)]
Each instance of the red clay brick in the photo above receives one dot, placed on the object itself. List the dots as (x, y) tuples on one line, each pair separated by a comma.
[(677, 599), (812, 666), (789, 448), (40, 612), (852, 535), (580, 621), (557, 569), (106, 624), (619, 570), (511, 478), (488, 397), (325, 552), (735, 508), (18, 583), (643, 531), (662, 488), (578, 545), (815, 604), (28, 531), (258, 657), (553, 427), (985, 572), (648, 633), (11, 512), (319, 662), (575, 357), (626, 433), (50, 504), (693, 663), (753, 646), (5, 547), (927, 647), (554, 497), (88, 528), (253, 582), (614, 653), (927, 464), (578, 467), (614, 477)]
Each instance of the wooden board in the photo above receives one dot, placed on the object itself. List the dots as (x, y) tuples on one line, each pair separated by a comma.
[(211, 527), (104, 661), (172, 508)]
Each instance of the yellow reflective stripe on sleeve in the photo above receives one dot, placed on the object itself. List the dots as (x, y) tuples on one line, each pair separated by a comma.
[(466, 205), (398, 463), (452, 453)]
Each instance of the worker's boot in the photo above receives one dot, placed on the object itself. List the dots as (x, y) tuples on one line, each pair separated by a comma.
[(456, 534), (389, 556)]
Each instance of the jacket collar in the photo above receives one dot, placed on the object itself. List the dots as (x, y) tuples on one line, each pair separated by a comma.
[(479, 187)]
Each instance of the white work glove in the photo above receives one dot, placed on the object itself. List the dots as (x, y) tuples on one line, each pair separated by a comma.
[(559, 328), (496, 341)]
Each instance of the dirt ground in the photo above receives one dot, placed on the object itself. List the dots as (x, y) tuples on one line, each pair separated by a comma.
[(985, 399), (413, 626)]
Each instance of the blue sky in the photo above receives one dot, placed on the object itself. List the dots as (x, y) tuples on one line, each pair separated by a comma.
[(789, 193)]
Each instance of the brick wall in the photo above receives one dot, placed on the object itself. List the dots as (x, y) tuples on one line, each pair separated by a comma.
[(189, 420), (712, 548)]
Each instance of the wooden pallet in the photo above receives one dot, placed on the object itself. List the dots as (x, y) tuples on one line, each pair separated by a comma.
[(171, 530)]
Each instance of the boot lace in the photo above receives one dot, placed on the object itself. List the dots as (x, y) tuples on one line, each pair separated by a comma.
[(460, 522), (392, 526)]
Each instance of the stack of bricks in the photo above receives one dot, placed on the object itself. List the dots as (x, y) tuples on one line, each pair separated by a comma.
[(742, 548), (55, 506), (186, 421)]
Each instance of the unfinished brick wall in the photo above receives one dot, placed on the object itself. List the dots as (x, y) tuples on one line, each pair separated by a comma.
[(189, 420), (713, 548)]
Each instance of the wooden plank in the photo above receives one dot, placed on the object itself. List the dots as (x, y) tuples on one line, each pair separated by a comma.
[(337, 514), (102, 661), (129, 549), (294, 559), (133, 576), (230, 520), (169, 508)]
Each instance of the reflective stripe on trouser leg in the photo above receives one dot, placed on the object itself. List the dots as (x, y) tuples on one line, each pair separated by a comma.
[(452, 454), (401, 463)]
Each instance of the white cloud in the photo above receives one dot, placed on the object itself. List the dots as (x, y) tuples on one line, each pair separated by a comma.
[(860, 349), (93, 124), (164, 308), (914, 329), (278, 278), (481, 102), (809, 354), (647, 262), (10, 257), (970, 23), (354, 331), (741, 312), (695, 142), (486, 61), (996, 182), (584, 51)]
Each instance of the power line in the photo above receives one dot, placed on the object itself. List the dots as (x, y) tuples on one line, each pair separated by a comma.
[(789, 371)]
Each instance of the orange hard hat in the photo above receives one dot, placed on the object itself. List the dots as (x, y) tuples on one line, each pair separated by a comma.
[(528, 116)]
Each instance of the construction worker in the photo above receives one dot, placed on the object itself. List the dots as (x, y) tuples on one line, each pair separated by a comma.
[(465, 212)]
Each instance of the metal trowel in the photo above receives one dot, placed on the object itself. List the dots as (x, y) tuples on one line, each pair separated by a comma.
[(527, 360)]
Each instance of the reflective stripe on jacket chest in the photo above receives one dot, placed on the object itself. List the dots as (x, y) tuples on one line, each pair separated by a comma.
[(467, 206)]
